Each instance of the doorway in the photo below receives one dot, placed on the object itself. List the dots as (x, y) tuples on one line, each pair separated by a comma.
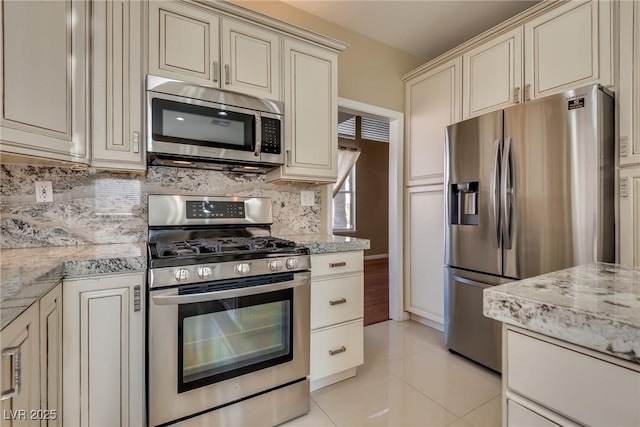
[(395, 204)]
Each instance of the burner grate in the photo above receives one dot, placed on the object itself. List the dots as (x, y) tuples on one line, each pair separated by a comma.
[(221, 246)]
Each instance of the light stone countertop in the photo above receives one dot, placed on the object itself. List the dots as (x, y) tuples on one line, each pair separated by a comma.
[(596, 306), (28, 274), (328, 243)]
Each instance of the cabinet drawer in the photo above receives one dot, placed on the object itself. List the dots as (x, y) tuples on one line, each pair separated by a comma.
[(582, 387), (336, 349), (519, 416), (336, 300), (337, 263)]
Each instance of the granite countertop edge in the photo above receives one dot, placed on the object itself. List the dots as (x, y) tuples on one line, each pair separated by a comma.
[(328, 243), (598, 329), (29, 274)]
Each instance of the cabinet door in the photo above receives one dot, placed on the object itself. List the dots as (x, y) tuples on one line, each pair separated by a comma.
[(492, 75), (21, 343), (424, 263), (103, 366), (184, 43), (251, 60), (629, 92), (433, 101), (311, 114), (51, 356), (568, 47), (43, 49), (630, 217), (117, 84)]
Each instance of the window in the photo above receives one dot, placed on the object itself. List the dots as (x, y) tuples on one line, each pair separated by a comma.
[(344, 204)]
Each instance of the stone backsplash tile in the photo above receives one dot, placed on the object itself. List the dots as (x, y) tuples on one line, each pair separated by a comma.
[(97, 207)]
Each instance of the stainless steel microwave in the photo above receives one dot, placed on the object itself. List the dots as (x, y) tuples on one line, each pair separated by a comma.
[(197, 126)]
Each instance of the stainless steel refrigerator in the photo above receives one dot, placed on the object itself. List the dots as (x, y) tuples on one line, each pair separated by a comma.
[(529, 190)]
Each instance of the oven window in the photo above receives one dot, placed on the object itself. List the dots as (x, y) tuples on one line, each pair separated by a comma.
[(195, 124), (227, 338)]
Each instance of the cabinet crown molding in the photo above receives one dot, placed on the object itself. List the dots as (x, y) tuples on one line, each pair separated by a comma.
[(235, 11), (506, 26)]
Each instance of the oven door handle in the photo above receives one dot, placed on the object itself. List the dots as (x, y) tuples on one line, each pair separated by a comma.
[(231, 293)]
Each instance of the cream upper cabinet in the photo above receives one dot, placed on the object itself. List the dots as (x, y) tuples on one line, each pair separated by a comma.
[(629, 85), (311, 114), (117, 84), (44, 51), (103, 347), (193, 44), (20, 341), (492, 75), (433, 101), (629, 192), (568, 47), (251, 60)]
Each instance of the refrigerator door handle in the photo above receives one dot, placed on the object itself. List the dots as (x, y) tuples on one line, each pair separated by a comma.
[(495, 196), (507, 196)]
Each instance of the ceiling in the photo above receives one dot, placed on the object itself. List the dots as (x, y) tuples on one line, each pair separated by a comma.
[(424, 28)]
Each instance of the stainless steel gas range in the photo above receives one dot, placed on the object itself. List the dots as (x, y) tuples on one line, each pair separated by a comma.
[(228, 316)]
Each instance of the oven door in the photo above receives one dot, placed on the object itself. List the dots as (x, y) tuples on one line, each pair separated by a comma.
[(210, 347)]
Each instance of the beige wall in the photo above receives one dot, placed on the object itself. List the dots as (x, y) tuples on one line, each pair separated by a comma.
[(372, 194), (368, 71)]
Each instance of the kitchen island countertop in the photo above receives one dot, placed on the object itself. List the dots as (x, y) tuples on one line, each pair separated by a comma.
[(328, 243), (596, 306), (28, 274)]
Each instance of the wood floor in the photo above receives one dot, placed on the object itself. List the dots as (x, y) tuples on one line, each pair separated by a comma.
[(376, 291)]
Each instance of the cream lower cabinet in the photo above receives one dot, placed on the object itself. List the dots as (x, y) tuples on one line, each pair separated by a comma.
[(337, 310), (192, 43), (104, 350), (492, 75), (44, 79), (424, 253), (33, 342), (569, 47), (311, 114), (629, 193), (433, 101), (629, 84), (549, 382), (117, 48)]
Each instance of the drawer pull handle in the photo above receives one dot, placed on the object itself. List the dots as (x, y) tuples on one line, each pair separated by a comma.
[(338, 301), (338, 351), (337, 264)]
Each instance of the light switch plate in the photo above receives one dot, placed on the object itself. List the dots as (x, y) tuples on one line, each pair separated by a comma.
[(44, 191), (307, 198)]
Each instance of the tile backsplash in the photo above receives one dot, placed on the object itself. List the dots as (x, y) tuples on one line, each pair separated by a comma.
[(96, 207)]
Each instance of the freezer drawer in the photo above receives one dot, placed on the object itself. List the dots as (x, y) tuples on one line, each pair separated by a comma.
[(467, 331)]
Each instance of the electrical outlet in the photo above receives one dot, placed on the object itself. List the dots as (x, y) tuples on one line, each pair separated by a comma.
[(44, 191), (307, 198)]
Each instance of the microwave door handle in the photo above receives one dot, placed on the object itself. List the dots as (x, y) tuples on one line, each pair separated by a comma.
[(231, 293), (258, 135)]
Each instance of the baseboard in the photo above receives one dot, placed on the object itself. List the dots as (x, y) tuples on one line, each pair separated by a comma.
[(379, 256), (427, 322)]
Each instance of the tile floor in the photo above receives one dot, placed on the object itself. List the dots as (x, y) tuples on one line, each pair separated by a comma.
[(408, 379)]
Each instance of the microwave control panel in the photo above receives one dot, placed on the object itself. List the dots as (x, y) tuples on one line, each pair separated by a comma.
[(271, 142)]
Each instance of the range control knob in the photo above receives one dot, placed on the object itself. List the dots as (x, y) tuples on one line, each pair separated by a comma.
[(243, 268), (275, 265), (292, 263), (182, 274), (204, 272)]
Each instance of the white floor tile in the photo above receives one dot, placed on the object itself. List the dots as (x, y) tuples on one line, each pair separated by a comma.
[(315, 418), (460, 423), (379, 398), (455, 383), (487, 415), (389, 341)]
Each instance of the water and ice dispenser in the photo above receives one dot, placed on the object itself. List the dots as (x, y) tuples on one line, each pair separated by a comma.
[(464, 203)]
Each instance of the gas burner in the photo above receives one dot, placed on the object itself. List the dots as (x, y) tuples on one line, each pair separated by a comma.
[(190, 248)]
